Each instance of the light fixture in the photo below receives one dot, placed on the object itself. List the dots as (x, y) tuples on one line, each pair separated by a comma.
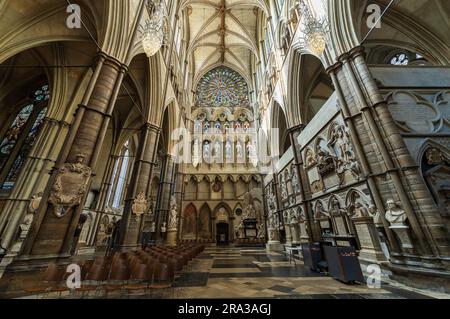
[(315, 29), (153, 36)]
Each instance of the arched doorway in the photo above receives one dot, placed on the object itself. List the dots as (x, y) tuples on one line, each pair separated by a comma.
[(222, 230), (223, 235)]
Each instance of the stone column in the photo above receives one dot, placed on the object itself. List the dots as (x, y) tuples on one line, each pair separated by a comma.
[(178, 194), (164, 194), (140, 188), (57, 218)]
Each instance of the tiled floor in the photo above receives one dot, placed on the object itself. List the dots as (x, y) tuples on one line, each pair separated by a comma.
[(254, 273)]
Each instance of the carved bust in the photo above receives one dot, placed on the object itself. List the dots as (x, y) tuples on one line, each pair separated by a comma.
[(394, 214)]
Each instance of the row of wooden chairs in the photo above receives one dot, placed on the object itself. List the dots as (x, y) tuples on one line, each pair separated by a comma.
[(152, 268)]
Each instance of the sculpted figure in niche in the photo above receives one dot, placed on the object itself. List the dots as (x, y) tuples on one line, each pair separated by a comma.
[(218, 149), (284, 192), (206, 127), (218, 127), (295, 181), (310, 159), (320, 211), (198, 127), (360, 211), (206, 150), (173, 217), (395, 215), (239, 150), (228, 149), (336, 209), (252, 155), (342, 144), (374, 212)]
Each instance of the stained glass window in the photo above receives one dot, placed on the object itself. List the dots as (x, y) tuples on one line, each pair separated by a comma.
[(21, 136), (400, 59), (222, 87), (12, 135)]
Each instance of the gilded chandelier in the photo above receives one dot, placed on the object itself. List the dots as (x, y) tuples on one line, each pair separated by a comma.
[(315, 29), (153, 36)]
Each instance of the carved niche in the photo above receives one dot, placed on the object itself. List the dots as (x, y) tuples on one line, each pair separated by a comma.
[(344, 157), (71, 185)]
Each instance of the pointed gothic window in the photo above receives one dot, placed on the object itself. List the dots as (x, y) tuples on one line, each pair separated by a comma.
[(17, 142)]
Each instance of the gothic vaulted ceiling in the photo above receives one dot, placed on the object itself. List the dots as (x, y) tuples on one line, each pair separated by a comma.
[(222, 32)]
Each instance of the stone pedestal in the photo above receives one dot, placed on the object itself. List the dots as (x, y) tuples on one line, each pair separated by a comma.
[(274, 245), (368, 238), (402, 232), (288, 235), (171, 238), (295, 235)]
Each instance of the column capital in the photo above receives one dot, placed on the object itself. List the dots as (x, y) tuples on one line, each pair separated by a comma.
[(112, 60), (151, 127)]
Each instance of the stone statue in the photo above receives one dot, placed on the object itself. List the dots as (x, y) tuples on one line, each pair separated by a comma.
[(342, 144), (206, 127), (395, 215), (251, 151), (361, 211), (218, 149), (294, 218), (239, 150), (374, 212), (153, 227), (198, 127), (173, 217), (336, 209), (295, 180), (228, 149), (284, 191), (196, 151), (206, 150), (320, 211)]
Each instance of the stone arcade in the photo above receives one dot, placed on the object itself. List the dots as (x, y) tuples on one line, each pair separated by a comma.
[(257, 127)]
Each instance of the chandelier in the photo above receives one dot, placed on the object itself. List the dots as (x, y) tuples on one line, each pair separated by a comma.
[(315, 29), (153, 36)]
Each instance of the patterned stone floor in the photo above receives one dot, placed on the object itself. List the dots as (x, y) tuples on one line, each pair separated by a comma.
[(255, 273)]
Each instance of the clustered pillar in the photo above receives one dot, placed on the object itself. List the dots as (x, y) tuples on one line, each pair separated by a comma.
[(57, 218), (137, 201)]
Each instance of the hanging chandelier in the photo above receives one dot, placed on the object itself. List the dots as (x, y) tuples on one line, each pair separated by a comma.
[(315, 29), (153, 35)]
